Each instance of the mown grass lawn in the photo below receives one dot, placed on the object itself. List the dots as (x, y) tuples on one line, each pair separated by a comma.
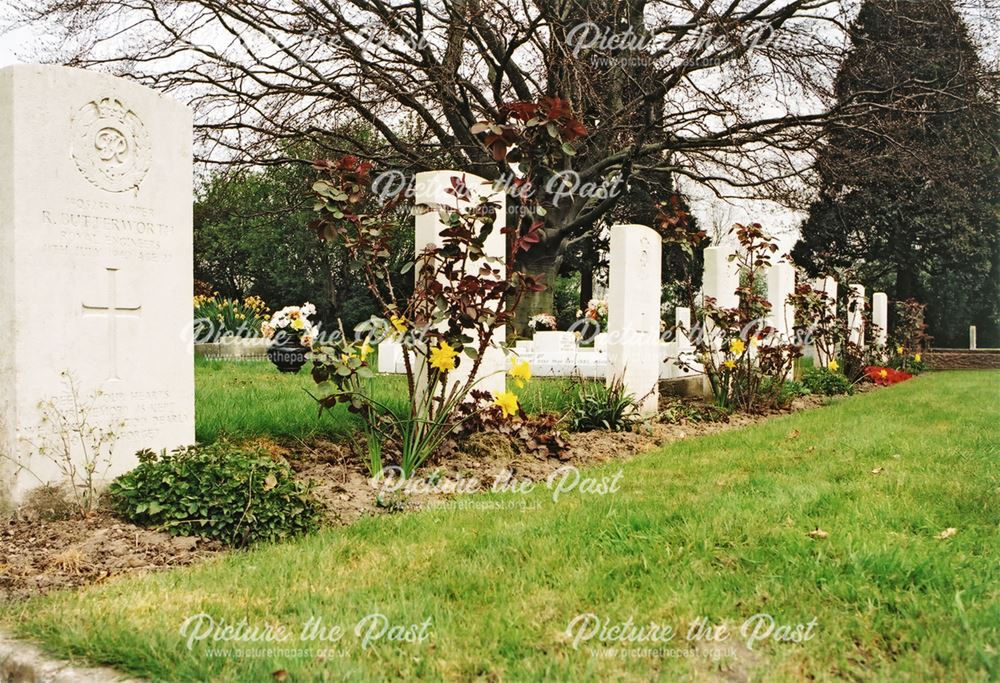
[(713, 527), (251, 399)]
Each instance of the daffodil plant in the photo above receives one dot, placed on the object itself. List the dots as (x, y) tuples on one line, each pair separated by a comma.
[(910, 337), (746, 363), (817, 323), (823, 322), (461, 297)]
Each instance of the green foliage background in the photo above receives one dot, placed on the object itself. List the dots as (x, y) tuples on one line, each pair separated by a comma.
[(252, 236), (910, 192)]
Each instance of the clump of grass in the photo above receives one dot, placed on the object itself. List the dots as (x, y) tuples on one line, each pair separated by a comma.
[(251, 399), (600, 406)]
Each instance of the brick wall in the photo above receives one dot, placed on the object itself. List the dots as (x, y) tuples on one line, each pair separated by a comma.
[(963, 359)]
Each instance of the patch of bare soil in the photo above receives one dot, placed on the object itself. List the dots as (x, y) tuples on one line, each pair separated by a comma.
[(39, 553), (486, 460)]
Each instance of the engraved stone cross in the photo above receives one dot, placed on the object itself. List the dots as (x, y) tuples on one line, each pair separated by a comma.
[(112, 310)]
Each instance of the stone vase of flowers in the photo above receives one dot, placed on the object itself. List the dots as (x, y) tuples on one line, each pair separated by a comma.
[(291, 334)]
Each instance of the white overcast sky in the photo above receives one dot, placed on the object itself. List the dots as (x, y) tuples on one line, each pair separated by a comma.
[(9, 45)]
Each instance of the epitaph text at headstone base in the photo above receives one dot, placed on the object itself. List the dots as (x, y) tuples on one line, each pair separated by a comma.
[(95, 218)]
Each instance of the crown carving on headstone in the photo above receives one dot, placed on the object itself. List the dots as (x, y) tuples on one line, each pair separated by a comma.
[(110, 108)]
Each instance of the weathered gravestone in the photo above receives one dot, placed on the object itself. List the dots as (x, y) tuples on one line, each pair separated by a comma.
[(781, 285), (880, 319), (721, 277), (634, 353), (431, 191), (95, 270), (856, 314)]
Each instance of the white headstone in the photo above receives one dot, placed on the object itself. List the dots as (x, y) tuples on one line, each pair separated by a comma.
[(95, 265), (855, 315), (634, 313), (880, 318), (554, 341), (390, 356), (828, 285), (431, 189), (721, 277), (780, 285), (972, 337)]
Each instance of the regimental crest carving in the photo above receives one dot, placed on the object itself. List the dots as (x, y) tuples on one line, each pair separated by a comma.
[(110, 145)]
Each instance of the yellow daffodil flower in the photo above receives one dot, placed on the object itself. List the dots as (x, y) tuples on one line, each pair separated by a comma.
[(916, 357), (507, 402), (443, 357), (737, 347), (899, 350), (521, 372), (298, 324), (365, 350), (833, 366), (729, 364), (398, 323)]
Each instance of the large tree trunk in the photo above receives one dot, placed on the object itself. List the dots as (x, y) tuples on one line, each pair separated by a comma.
[(906, 283), (539, 260), (586, 286)]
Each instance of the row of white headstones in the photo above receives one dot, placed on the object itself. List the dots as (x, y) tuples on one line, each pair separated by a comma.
[(96, 274), (631, 350)]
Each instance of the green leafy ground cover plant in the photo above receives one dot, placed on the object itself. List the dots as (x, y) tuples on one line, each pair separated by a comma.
[(235, 494), (826, 382)]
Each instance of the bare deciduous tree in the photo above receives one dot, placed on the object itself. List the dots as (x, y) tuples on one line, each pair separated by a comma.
[(728, 93)]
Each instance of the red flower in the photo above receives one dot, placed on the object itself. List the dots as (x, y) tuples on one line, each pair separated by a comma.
[(885, 376)]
